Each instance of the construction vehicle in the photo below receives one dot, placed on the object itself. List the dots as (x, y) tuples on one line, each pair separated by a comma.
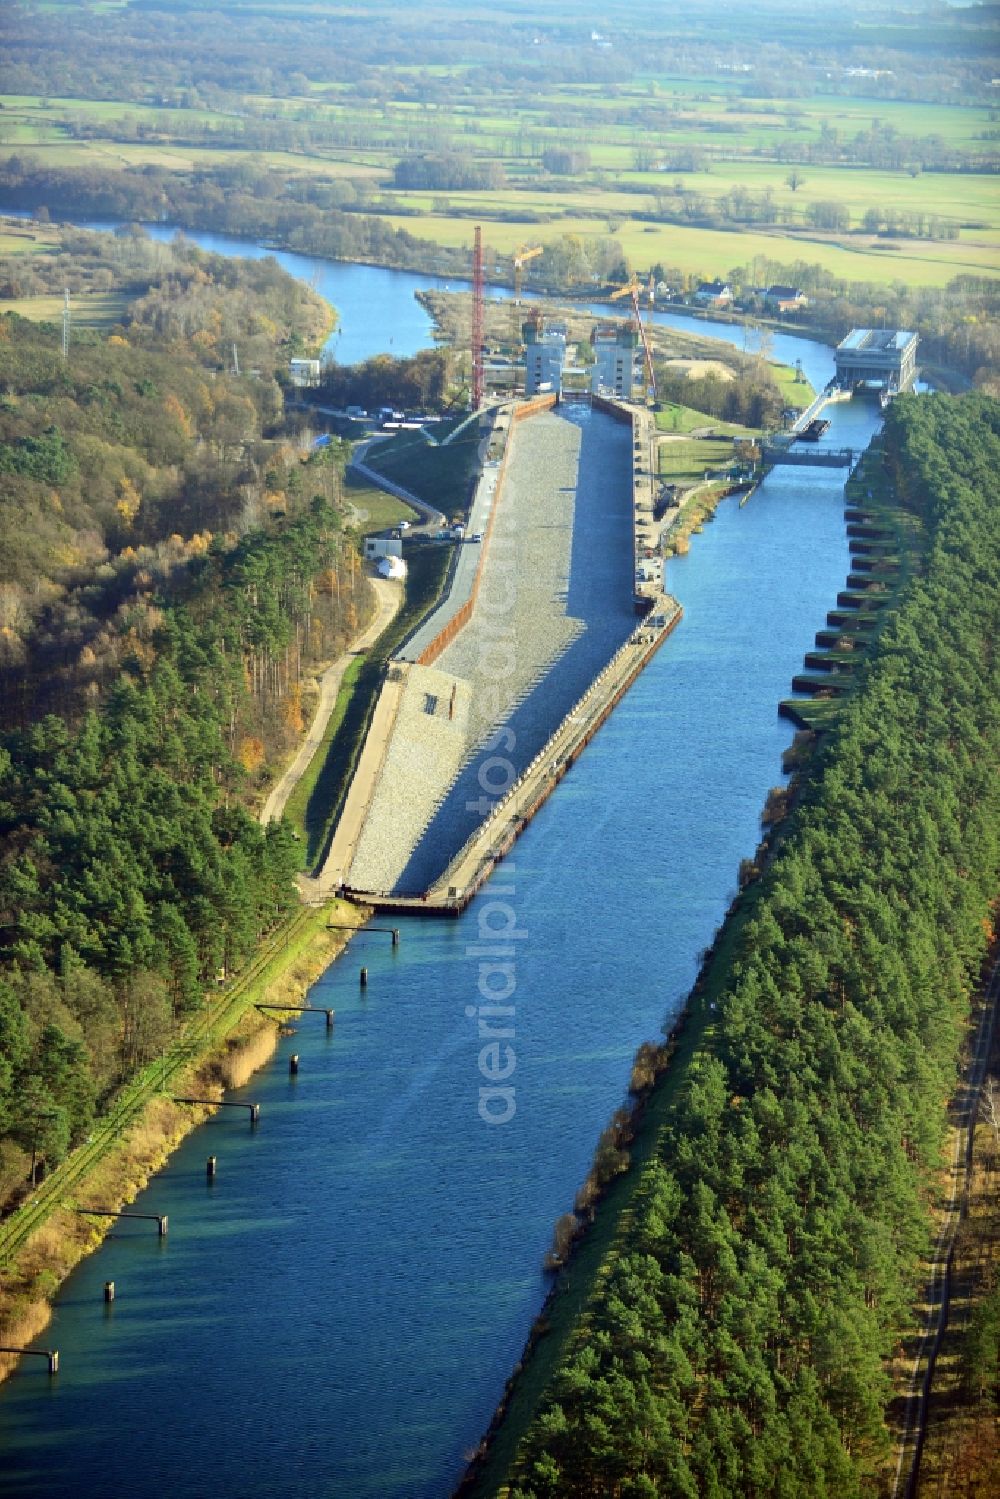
[(632, 290)]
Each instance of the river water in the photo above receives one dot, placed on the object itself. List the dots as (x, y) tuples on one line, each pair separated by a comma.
[(337, 1313)]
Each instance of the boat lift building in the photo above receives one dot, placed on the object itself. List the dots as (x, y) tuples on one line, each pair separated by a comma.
[(882, 359)]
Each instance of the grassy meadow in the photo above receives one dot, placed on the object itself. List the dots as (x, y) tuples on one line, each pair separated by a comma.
[(733, 139)]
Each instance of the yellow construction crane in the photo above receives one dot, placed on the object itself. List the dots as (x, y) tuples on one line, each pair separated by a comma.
[(632, 290), (521, 257)]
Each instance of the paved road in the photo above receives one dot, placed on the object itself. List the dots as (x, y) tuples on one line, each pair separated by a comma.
[(389, 597)]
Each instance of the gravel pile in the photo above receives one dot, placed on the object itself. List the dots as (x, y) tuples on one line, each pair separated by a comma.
[(555, 603), (429, 742)]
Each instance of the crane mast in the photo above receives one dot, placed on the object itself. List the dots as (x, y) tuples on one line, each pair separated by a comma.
[(632, 290), (478, 300), (521, 257)]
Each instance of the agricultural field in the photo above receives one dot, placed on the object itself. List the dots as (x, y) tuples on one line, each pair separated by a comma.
[(707, 253), (88, 309), (702, 173), (26, 239)]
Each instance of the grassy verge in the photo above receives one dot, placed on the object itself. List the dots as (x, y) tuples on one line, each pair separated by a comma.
[(687, 460), (441, 476), (695, 510), (375, 507), (795, 389), (219, 1047), (672, 417), (295, 807)]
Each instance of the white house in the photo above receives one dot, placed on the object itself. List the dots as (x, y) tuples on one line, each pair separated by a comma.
[(784, 298), (383, 546), (303, 372), (714, 294)]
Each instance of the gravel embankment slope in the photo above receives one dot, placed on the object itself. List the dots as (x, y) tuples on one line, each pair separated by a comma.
[(428, 744), (554, 604)]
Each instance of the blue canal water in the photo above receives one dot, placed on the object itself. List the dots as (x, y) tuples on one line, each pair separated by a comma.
[(336, 1314)]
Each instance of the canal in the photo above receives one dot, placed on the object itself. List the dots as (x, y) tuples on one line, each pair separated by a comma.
[(337, 1313)]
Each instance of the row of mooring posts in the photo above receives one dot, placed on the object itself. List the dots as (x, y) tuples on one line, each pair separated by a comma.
[(224, 1103), (52, 1354), (337, 926), (211, 1165)]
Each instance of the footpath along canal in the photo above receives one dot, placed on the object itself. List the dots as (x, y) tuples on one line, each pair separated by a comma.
[(337, 1311)]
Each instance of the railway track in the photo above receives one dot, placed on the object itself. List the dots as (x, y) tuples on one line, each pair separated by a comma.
[(938, 1295), (210, 1025)]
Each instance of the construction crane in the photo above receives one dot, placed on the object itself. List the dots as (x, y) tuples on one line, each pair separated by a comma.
[(478, 320), (520, 258), (632, 290)]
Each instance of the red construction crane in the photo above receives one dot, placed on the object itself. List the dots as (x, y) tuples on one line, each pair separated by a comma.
[(478, 299), (632, 290)]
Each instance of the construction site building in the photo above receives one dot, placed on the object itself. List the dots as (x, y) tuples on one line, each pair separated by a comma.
[(544, 356), (618, 360)]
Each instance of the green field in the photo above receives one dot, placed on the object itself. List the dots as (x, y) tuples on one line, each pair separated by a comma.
[(375, 508), (26, 239), (88, 309), (687, 461), (630, 190), (713, 252)]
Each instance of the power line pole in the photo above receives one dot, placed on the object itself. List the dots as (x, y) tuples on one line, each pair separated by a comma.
[(65, 324)]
